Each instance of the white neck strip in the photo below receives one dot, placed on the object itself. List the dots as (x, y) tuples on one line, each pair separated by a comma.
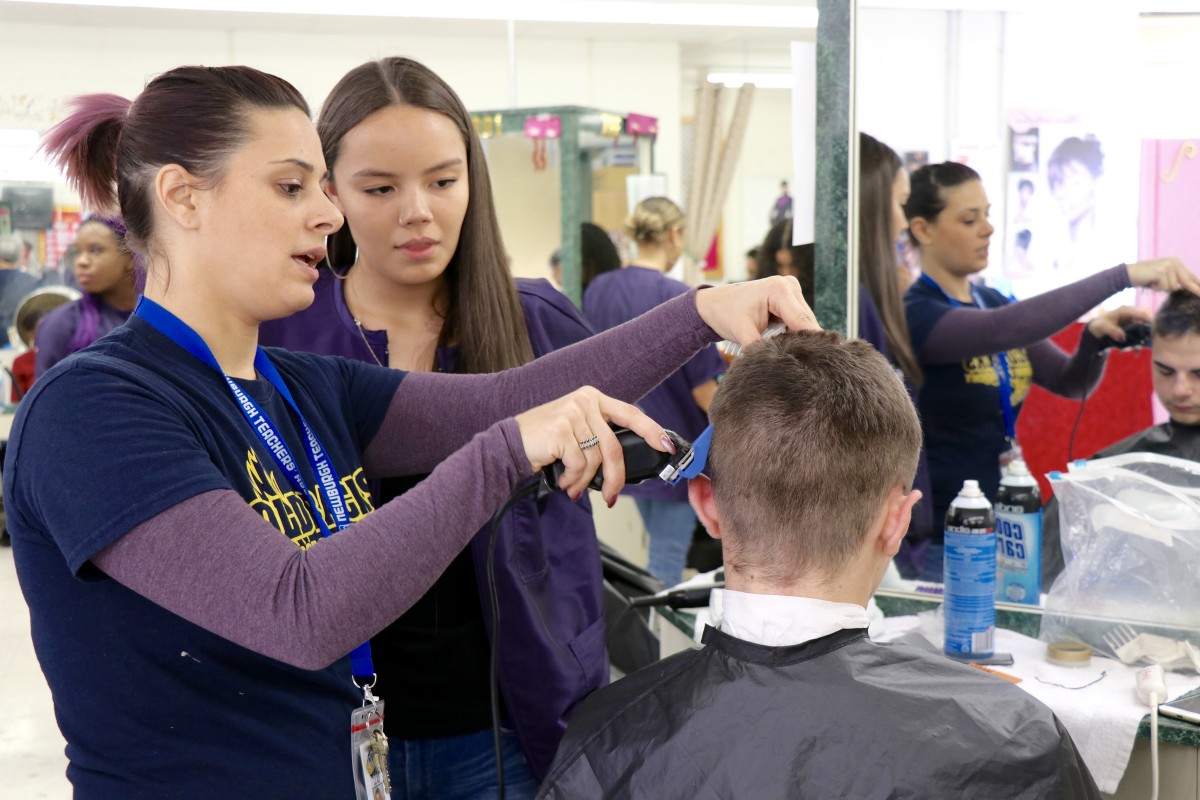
[(780, 621)]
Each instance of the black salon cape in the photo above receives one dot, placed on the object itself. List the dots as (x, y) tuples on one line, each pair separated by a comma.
[(1167, 439), (837, 717)]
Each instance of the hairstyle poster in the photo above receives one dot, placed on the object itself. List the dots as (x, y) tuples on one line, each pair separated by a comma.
[(1061, 215)]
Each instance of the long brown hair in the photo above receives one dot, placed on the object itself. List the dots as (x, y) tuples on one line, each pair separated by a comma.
[(484, 318), (878, 166)]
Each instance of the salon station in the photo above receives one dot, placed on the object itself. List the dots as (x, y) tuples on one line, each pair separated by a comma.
[(1038, 165)]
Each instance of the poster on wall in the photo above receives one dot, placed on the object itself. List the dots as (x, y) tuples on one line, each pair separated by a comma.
[(1062, 219)]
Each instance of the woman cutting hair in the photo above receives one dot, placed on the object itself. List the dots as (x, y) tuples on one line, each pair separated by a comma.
[(199, 552), (979, 351)]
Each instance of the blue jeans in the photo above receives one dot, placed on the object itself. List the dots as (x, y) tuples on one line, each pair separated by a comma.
[(671, 526), (458, 768)]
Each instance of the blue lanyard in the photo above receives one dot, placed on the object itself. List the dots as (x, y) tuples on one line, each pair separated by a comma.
[(181, 334), (999, 362)]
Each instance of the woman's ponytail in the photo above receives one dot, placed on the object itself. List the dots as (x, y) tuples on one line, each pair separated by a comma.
[(84, 146)]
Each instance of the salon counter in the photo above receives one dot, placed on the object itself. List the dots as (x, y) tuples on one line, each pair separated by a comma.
[(1179, 742)]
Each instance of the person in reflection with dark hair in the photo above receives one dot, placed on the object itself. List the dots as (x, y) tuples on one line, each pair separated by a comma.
[(789, 697), (883, 189), (1175, 374), (980, 352), (778, 256)]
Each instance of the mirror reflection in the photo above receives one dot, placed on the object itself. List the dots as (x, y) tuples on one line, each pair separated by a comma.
[(1041, 236)]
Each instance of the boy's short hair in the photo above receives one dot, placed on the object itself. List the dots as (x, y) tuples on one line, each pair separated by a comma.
[(1178, 316), (811, 432)]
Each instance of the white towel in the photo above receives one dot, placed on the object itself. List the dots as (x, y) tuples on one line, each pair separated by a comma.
[(1102, 718)]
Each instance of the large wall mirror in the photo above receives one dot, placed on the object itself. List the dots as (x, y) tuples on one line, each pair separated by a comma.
[(1071, 115)]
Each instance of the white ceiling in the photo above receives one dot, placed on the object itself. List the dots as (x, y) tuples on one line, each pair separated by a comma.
[(702, 48)]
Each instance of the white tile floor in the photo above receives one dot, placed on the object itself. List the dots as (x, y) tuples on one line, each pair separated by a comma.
[(32, 764)]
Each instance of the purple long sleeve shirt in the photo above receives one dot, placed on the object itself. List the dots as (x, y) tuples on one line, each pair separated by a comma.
[(165, 604), (418, 432)]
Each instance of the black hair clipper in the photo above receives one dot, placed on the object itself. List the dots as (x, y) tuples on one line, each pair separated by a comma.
[(1137, 334), (642, 462)]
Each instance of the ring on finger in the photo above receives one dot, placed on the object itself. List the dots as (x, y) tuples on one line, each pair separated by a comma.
[(589, 443)]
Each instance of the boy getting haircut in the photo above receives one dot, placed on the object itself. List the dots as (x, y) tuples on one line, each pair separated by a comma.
[(814, 447)]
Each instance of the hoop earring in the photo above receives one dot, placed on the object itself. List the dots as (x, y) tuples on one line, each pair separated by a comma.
[(341, 276)]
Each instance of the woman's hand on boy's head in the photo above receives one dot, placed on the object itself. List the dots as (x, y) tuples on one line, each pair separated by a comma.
[(1166, 274), (740, 312)]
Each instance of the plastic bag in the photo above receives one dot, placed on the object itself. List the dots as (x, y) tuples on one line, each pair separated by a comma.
[(1130, 530)]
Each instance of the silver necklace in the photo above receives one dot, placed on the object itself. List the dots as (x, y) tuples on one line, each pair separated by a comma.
[(357, 321)]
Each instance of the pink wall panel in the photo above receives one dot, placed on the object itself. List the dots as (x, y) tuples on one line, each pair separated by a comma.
[(1169, 218)]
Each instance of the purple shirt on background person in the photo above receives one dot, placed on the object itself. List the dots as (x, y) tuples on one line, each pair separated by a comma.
[(613, 298), (56, 329), (548, 572), (870, 329)]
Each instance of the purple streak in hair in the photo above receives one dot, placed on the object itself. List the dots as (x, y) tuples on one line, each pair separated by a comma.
[(89, 305), (89, 323)]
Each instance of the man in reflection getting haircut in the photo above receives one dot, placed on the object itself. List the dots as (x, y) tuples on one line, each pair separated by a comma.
[(1175, 373), (814, 448)]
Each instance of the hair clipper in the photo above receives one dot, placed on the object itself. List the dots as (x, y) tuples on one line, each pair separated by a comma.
[(643, 462)]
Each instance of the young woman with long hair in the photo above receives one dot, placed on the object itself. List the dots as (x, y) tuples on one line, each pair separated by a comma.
[(418, 279)]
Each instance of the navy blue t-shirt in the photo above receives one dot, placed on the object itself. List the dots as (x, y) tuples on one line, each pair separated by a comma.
[(151, 705), (959, 404), (617, 297)]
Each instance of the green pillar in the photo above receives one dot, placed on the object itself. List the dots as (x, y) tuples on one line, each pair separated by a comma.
[(836, 31), (576, 187)]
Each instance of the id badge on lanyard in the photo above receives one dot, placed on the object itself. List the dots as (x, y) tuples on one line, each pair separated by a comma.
[(1004, 381), (368, 743), (369, 751)]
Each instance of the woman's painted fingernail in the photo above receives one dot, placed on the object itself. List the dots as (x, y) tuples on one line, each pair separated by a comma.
[(667, 443), (575, 496), (611, 501)]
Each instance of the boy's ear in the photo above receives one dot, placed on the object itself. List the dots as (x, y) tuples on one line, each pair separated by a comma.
[(700, 495), (896, 521)]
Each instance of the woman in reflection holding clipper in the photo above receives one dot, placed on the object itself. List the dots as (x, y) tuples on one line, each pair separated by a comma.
[(417, 280), (980, 352), (196, 582)]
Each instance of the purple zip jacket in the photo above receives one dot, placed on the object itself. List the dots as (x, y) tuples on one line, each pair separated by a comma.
[(548, 573)]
